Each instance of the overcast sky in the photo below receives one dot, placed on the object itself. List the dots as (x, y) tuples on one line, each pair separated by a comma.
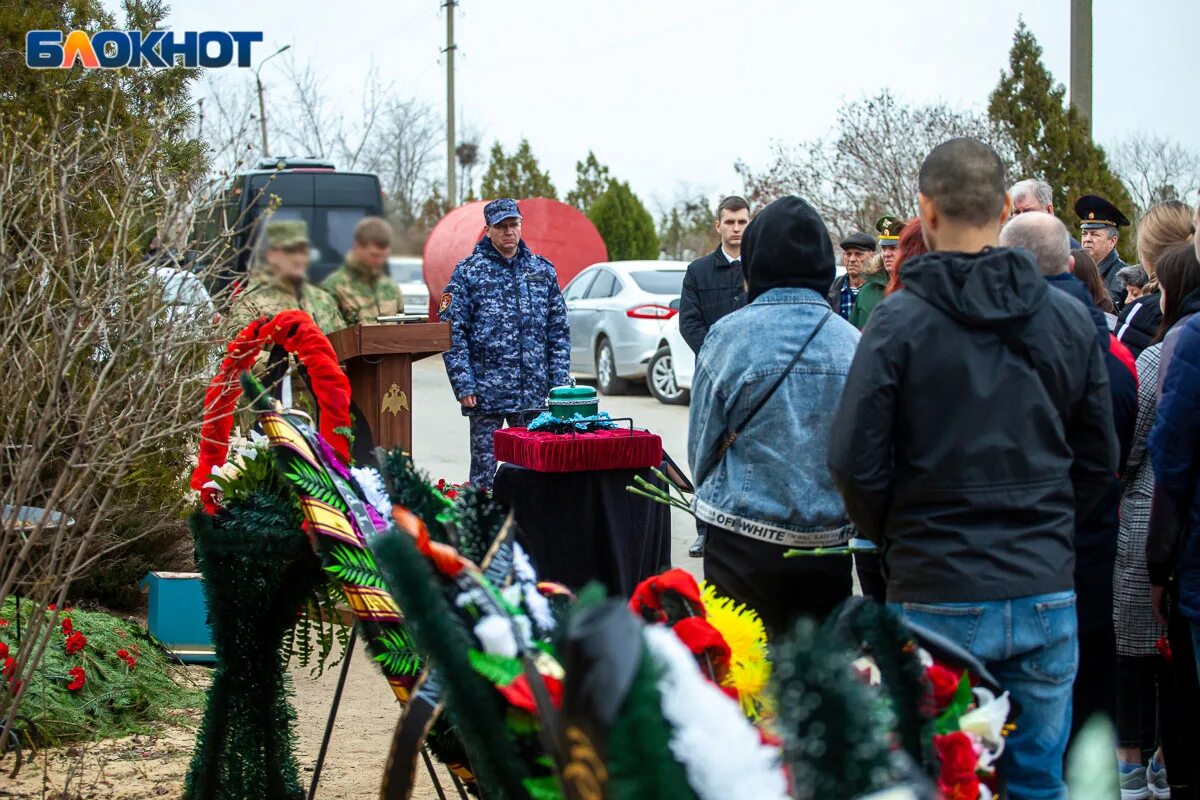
[(670, 93)]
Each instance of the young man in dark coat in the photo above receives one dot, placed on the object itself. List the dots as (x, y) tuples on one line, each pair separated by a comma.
[(972, 489), (715, 285)]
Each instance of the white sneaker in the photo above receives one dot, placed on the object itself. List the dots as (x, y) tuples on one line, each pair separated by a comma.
[(1134, 786), (1156, 781)]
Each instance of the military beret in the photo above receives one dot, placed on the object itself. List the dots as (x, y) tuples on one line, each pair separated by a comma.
[(1096, 212), (499, 210), (889, 230), (858, 241), (286, 233)]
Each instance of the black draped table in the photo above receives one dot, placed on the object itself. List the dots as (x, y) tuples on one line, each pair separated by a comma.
[(583, 526)]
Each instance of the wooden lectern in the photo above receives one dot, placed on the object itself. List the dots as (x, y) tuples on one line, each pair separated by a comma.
[(378, 360)]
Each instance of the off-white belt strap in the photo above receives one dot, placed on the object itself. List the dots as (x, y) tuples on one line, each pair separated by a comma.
[(766, 532)]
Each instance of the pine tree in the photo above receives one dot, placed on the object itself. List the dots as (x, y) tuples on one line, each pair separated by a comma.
[(624, 223), (591, 180), (517, 176), (1050, 140)]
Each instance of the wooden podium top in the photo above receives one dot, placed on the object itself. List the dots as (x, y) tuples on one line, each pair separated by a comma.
[(418, 339)]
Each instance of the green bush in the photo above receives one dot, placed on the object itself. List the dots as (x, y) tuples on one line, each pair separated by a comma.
[(624, 223), (128, 681)]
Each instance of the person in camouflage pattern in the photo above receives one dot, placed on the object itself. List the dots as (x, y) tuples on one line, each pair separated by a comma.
[(361, 286), (280, 281), (509, 339)]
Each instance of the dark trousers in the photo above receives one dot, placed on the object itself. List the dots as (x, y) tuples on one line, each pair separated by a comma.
[(1144, 698), (780, 589), (1181, 743), (1095, 690), (483, 446), (870, 576)]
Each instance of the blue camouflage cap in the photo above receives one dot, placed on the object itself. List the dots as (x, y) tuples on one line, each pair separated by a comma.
[(499, 210)]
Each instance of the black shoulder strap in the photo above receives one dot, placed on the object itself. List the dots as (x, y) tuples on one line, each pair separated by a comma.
[(762, 401)]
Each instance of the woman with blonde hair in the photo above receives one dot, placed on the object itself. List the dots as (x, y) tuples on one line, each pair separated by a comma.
[(1164, 226)]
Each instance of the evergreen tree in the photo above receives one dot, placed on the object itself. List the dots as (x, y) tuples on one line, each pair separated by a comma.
[(1050, 140), (624, 223), (517, 176), (591, 180)]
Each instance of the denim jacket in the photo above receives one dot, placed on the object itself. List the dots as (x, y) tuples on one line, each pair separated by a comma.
[(773, 483)]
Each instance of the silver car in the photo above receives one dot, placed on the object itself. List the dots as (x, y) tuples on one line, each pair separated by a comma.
[(618, 311), (406, 272)]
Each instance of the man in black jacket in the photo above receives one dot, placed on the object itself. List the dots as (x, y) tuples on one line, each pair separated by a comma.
[(714, 286), (974, 429)]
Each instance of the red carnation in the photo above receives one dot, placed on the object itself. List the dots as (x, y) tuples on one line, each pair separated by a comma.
[(3, 623), (78, 679), (1163, 646), (10, 666), (51, 607), (75, 642), (122, 654), (3, 650), (131, 661), (67, 626), (944, 683)]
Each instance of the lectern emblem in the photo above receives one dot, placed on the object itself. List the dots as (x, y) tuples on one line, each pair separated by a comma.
[(395, 401)]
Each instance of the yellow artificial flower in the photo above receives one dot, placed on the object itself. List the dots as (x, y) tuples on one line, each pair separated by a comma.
[(749, 665)]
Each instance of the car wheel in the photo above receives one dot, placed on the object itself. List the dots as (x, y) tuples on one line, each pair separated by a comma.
[(606, 370), (660, 377)]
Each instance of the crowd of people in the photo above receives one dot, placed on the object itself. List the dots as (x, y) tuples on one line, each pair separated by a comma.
[(1012, 423)]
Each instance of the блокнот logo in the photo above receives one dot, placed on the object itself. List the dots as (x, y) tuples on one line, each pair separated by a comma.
[(116, 49)]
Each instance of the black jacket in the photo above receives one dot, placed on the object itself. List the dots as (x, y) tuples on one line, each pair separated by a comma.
[(1138, 322), (712, 288), (1109, 267), (974, 429)]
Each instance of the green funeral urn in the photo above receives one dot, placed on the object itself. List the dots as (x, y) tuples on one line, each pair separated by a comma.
[(567, 401)]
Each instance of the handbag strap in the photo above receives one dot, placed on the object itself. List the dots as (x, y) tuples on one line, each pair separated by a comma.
[(731, 437)]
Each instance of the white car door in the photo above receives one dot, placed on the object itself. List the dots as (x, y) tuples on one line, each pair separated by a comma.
[(581, 319)]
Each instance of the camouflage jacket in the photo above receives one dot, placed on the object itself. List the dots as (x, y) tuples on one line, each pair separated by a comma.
[(509, 339), (361, 295), (266, 296)]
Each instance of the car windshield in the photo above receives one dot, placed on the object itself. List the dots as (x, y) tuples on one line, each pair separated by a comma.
[(659, 281), (406, 271)]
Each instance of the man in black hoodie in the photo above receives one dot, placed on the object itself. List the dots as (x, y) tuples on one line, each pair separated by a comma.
[(975, 427)]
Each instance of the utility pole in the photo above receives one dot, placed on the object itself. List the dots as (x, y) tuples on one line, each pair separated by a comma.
[(1081, 60), (451, 193), (262, 108)]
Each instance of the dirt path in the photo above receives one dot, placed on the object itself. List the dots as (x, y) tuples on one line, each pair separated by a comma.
[(146, 767)]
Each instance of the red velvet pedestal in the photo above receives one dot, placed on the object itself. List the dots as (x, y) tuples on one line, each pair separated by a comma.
[(543, 451)]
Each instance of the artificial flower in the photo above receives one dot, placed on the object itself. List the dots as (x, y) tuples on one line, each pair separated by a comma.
[(67, 626), (988, 719), (122, 654), (520, 695), (649, 596), (371, 482), (75, 642), (958, 757), (3, 650), (944, 683), (10, 666), (1163, 646), (496, 636), (78, 679), (52, 607), (3, 623)]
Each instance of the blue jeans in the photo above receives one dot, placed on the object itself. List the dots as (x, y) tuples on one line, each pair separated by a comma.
[(1030, 646)]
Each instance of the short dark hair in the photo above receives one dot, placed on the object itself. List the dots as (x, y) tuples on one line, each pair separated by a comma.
[(965, 180), (732, 203), (373, 230)]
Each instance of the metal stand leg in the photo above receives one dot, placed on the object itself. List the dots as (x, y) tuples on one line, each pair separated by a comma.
[(462, 792), (337, 701), (437, 783)]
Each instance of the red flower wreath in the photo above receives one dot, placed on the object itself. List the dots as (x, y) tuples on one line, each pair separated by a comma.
[(296, 333)]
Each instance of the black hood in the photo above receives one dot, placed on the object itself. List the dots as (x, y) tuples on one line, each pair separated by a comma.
[(984, 289), (1066, 282), (787, 245)]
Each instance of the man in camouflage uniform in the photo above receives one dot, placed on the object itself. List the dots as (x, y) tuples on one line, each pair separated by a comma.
[(509, 339), (280, 281), (361, 285)]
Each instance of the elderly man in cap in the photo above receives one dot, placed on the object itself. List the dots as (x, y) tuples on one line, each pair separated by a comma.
[(361, 286), (857, 249), (509, 339), (280, 281), (1099, 221)]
